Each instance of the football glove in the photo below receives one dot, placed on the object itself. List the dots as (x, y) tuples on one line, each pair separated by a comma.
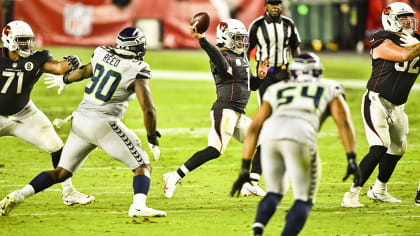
[(153, 143), (352, 168), (54, 81), (243, 178), (74, 62), (60, 122), (408, 39)]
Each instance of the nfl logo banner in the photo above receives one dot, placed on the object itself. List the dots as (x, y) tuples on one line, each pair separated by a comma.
[(77, 20)]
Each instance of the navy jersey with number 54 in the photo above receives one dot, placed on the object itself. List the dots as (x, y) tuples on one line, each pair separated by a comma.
[(17, 79), (392, 80)]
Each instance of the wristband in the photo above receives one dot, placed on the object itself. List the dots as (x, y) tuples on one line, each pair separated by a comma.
[(246, 164), (66, 78), (351, 155)]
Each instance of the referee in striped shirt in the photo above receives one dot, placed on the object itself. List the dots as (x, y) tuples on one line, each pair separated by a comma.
[(277, 39)]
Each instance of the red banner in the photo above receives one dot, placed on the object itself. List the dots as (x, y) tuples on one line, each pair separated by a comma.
[(97, 22)]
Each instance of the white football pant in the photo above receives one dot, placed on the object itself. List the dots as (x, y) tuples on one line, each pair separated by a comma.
[(301, 162), (112, 136), (386, 124), (226, 124), (32, 126)]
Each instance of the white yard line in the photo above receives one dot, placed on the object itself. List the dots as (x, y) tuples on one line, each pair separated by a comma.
[(200, 76)]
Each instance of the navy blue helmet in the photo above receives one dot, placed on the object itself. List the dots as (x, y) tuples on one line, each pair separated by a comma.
[(306, 64), (131, 41)]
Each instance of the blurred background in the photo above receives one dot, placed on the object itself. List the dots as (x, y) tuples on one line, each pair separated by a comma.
[(324, 25)]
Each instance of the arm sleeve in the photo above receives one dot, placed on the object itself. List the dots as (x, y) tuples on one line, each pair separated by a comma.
[(44, 56), (216, 57), (254, 82), (294, 38), (252, 37)]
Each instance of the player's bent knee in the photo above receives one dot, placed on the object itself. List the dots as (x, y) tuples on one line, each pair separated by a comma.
[(145, 169), (59, 174)]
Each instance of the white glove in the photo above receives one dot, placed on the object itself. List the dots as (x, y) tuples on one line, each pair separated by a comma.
[(59, 122), (408, 39), (155, 150), (153, 143), (55, 81)]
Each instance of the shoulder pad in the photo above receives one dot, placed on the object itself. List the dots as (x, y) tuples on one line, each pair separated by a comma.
[(42, 55), (378, 37), (144, 71)]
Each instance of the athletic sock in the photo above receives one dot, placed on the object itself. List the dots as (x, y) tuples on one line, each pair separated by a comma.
[(296, 217), (379, 186), (200, 158), (27, 191), (266, 209), (182, 171), (387, 166), (42, 181), (370, 161), (355, 189), (141, 184), (255, 178)]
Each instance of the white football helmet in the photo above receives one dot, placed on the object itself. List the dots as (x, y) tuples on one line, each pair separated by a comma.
[(232, 34), (391, 20), (306, 65), (18, 36)]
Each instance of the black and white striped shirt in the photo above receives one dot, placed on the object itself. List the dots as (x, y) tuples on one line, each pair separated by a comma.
[(275, 39)]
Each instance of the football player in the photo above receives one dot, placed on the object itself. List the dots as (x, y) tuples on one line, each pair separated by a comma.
[(20, 69), (118, 75), (292, 113), (230, 68), (395, 66)]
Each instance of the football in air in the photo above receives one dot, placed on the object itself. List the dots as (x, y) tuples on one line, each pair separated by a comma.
[(201, 21)]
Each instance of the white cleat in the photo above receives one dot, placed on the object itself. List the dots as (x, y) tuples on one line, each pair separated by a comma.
[(72, 196), (12, 200), (171, 180), (144, 212), (382, 196), (351, 200), (252, 190)]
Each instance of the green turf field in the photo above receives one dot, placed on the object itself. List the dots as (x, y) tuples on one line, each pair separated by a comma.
[(201, 205)]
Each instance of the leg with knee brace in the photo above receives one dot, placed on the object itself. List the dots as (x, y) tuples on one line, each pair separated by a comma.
[(266, 209), (370, 161), (296, 217)]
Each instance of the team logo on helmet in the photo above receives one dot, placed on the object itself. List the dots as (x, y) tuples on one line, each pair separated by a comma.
[(387, 10), (7, 30), (223, 26)]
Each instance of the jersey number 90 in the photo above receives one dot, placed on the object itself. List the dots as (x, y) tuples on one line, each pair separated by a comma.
[(105, 84)]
